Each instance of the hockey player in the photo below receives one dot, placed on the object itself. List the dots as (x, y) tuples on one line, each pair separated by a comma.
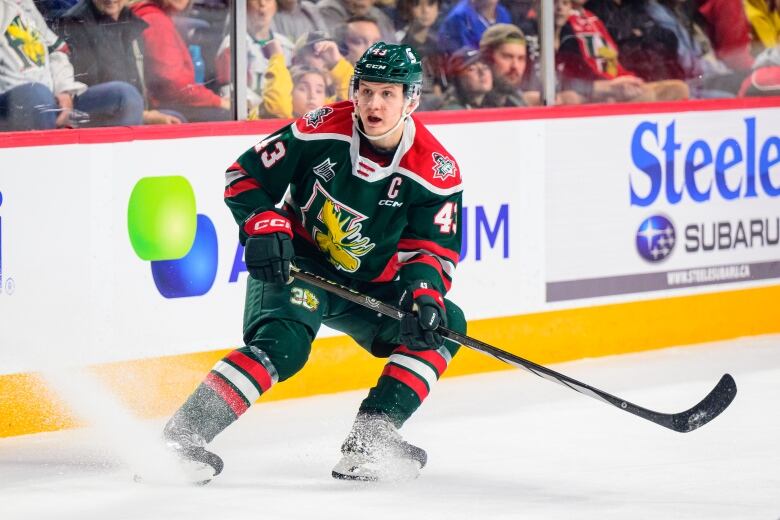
[(371, 201)]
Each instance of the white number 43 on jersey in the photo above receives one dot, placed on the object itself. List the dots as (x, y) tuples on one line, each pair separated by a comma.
[(446, 218)]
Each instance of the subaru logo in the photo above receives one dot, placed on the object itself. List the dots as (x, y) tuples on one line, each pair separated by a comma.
[(655, 238)]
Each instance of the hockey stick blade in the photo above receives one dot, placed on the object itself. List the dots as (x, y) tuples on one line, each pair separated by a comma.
[(710, 407)]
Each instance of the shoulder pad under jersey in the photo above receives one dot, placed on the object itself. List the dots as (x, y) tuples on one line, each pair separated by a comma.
[(326, 122), (430, 163)]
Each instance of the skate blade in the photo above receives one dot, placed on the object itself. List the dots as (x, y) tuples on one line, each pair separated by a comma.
[(388, 470), (157, 481), (188, 472)]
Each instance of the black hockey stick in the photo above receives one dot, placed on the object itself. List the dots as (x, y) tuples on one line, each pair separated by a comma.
[(710, 407)]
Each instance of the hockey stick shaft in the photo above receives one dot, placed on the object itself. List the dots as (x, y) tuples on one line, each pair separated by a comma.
[(710, 407)]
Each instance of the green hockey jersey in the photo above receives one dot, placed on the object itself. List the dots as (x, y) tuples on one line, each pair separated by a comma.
[(371, 222)]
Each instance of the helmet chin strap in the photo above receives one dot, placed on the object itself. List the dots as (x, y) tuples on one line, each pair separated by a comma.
[(401, 119)]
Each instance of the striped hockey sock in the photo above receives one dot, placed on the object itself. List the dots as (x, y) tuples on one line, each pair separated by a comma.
[(406, 381), (227, 391)]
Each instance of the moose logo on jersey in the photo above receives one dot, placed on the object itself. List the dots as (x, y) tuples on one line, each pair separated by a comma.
[(443, 166), (341, 241), (26, 41), (314, 118)]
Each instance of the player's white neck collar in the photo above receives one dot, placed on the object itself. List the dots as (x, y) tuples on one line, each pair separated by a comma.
[(380, 172)]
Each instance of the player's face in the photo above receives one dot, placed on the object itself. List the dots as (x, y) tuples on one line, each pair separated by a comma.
[(380, 106), (308, 94), (509, 61)]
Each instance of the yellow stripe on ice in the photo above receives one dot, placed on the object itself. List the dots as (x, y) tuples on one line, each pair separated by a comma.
[(155, 387)]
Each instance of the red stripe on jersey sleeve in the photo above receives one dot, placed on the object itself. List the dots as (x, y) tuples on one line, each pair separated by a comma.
[(235, 167), (226, 392), (431, 356), (390, 270), (240, 187), (254, 368), (404, 376), (417, 244)]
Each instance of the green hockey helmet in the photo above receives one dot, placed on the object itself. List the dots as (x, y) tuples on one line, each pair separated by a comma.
[(390, 63)]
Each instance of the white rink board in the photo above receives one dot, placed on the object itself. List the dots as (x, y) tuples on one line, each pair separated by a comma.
[(592, 220), (71, 280)]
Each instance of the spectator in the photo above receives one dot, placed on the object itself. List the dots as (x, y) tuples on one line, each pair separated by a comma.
[(706, 77), (103, 38), (37, 86), (309, 89), (471, 80), (318, 51), (764, 18), (260, 15), (294, 18), (169, 74), (337, 12), (284, 91), (421, 18), (465, 23), (504, 49), (356, 36), (646, 49), (532, 78), (588, 61), (725, 24), (765, 78)]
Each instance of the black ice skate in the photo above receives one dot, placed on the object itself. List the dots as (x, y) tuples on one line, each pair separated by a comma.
[(199, 464), (375, 451)]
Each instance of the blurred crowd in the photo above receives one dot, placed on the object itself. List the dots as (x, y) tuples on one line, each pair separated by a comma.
[(80, 63)]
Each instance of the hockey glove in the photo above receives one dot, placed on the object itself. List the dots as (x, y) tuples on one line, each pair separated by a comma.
[(425, 308), (269, 250)]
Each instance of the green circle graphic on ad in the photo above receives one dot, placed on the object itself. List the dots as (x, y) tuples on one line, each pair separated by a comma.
[(161, 218)]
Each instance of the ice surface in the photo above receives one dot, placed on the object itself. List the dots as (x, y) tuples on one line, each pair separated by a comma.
[(500, 445)]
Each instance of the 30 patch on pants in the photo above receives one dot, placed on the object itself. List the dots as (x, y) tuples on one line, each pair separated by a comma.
[(305, 298)]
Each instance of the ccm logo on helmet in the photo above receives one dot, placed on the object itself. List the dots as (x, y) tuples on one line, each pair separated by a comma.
[(375, 66)]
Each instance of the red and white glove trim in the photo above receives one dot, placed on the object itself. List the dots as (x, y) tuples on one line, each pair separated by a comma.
[(268, 222)]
